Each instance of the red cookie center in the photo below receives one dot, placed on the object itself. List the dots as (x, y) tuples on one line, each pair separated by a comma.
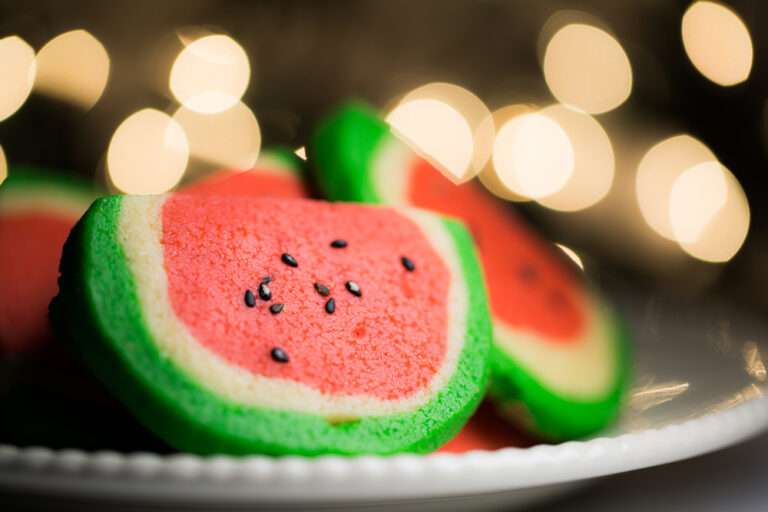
[(386, 337)]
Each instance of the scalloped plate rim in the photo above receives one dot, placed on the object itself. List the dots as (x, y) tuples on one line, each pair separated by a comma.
[(259, 479)]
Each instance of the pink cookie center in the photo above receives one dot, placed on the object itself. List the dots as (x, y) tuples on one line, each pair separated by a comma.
[(528, 286), (29, 266), (388, 343), (258, 182)]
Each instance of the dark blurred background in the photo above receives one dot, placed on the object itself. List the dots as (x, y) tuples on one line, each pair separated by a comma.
[(639, 72)]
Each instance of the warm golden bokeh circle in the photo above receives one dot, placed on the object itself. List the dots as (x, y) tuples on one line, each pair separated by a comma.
[(147, 154), (593, 161), (533, 155), (73, 67), (210, 74), (660, 167), (718, 42), (586, 68), (17, 74), (476, 115), (230, 138), (438, 132), (709, 212)]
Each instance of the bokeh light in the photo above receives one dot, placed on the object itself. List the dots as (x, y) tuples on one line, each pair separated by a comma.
[(301, 153), (147, 154), (474, 112), (718, 42), (504, 152), (533, 155), (572, 255), (490, 176), (657, 172), (696, 196), (586, 68), (73, 67), (709, 213), (436, 131), (593, 160), (3, 166), (17, 62), (211, 74), (230, 138)]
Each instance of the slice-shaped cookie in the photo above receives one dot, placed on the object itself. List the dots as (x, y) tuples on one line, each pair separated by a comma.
[(233, 324), (558, 360), (37, 210)]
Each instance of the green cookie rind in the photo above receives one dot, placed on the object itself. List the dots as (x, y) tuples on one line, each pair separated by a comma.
[(353, 132), (548, 414), (40, 180), (340, 152), (99, 311)]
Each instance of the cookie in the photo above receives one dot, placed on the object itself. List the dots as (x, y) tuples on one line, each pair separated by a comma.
[(46, 397), (234, 324), (558, 361), (37, 209)]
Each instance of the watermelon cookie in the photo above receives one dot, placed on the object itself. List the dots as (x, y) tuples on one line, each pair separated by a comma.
[(46, 397), (37, 210), (558, 358), (234, 324), (277, 173)]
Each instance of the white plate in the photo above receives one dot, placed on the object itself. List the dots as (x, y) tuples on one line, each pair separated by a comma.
[(699, 387)]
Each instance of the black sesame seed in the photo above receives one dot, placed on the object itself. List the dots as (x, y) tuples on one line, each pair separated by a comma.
[(264, 292), (289, 260), (330, 306), (279, 355), (354, 288), (322, 289), (267, 279), (339, 244), (250, 300), (408, 264), (276, 308)]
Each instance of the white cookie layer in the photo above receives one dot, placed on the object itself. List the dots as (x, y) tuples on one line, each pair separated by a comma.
[(139, 234), (585, 368), (390, 163)]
